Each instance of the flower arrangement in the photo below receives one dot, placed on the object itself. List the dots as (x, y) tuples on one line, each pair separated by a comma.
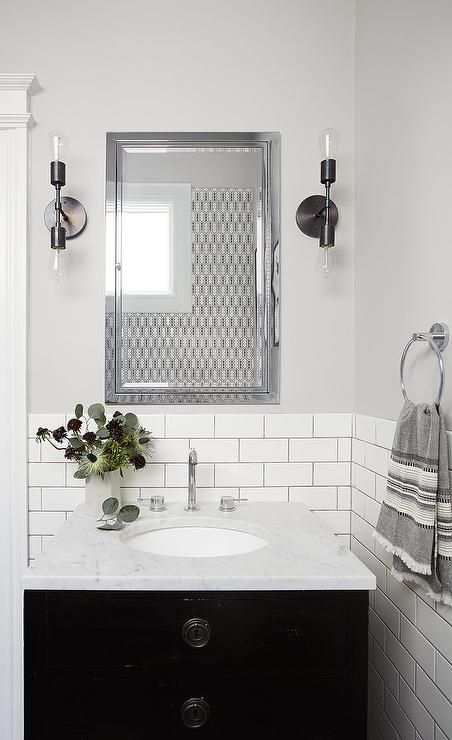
[(118, 444)]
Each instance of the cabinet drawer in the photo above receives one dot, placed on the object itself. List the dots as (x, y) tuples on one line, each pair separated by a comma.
[(144, 631), (138, 710)]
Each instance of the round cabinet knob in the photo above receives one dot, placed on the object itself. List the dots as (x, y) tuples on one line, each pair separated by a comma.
[(195, 712), (196, 632)]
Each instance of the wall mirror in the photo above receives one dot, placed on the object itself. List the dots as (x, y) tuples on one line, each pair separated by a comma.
[(192, 283)]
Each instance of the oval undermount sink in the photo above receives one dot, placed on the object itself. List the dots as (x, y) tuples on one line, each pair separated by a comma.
[(194, 542)]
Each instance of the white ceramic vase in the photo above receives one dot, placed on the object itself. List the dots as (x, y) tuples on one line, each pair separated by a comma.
[(98, 489)]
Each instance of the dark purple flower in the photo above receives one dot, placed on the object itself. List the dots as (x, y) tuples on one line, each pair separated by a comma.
[(89, 437), (138, 461), (74, 425), (59, 434), (42, 432), (70, 453), (116, 430)]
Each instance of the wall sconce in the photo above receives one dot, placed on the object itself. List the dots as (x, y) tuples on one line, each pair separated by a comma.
[(64, 217), (317, 215)]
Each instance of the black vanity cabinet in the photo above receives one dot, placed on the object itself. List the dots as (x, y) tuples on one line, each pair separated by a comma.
[(141, 665)]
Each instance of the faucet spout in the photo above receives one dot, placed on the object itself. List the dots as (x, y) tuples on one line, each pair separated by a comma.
[(192, 462)]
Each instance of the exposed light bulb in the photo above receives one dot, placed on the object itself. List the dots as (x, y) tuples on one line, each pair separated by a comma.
[(58, 264), (329, 143), (326, 261), (58, 145)]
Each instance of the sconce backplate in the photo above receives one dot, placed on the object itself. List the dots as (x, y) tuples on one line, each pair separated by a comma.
[(76, 216), (309, 215)]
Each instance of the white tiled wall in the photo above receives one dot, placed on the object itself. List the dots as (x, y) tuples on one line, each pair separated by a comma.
[(410, 640), (260, 457)]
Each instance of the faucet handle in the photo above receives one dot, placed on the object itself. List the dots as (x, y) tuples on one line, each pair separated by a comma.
[(227, 503), (193, 457), (157, 503)]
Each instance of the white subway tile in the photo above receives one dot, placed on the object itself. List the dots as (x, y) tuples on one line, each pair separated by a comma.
[(153, 474), (50, 454), (34, 546), (377, 459), (376, 683), (288, 474), (362, 531), (264, 450), (363, 479), (310, 450), (216, 450), (386, 670), (34, 451), (432, 698), (371, 510), (49, 421), (268, 493), (214, 494), (402, 596), (34, 499), (344, 449), (337, 521), (358, 499), (416, 644), (439, 734), (332, 425), (62, 499), (288, 425), (382, 722), (372, 732), (434, 628), (171, 450), (397, 717), (239, 425), (380, 487), (331, 474), (376, 628), (189, 425), (45, 522), (172, 495), (443, 676), (388, 612), (153, 423), (400, 657), (384, 432), (382, 554), (129, 495), (238, 474), (358, 451), (46, 474), (71, 468), (320, 497), (377, 568), (365, 428), (177, 475), (344, 497)]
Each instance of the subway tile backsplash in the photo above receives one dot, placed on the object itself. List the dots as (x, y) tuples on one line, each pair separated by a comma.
[(260, 457)]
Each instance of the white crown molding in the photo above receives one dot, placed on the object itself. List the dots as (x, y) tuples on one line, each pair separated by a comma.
[(27, 82), (16, 120)]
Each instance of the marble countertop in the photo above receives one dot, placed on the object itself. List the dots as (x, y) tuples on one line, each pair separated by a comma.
[(301, 554)]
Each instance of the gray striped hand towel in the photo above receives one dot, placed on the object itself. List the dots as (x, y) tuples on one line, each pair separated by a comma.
[(415, 522)]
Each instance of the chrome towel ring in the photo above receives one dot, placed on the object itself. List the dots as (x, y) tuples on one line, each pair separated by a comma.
[(438, 339)]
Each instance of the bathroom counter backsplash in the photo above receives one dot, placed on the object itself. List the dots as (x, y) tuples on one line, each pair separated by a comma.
[(300, 554), (261, 457)]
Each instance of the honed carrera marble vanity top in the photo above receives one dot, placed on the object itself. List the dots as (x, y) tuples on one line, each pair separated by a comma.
[(300, 554)]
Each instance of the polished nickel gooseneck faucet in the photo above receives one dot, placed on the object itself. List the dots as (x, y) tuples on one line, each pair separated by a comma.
[(192, 462)]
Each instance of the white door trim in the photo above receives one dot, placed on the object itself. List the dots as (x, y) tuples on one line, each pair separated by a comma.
[(15, 120)]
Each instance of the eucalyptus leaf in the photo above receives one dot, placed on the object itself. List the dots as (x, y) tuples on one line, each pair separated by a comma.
[(116, 525), (131, 420), (128, 513), (103, 433), (101, 421), (78, 411), (96, 411), (76, 442), (110, 505), (81, 472)]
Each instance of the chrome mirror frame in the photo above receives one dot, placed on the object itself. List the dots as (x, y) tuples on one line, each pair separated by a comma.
[(268, 392)]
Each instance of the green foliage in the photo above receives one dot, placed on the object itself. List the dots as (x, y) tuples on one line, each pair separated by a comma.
[(113, 519), (119, 444)]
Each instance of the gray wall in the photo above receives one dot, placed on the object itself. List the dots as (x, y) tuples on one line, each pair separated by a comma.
[(175, 66), (403, 195)]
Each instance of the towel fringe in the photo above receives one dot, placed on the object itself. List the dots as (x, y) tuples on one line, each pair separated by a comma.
[(404, 556)]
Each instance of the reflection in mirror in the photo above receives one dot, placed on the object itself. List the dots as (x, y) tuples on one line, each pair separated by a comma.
[(192, 268)]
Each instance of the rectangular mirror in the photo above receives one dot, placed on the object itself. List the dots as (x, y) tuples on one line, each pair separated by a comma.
[(192, 275)]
